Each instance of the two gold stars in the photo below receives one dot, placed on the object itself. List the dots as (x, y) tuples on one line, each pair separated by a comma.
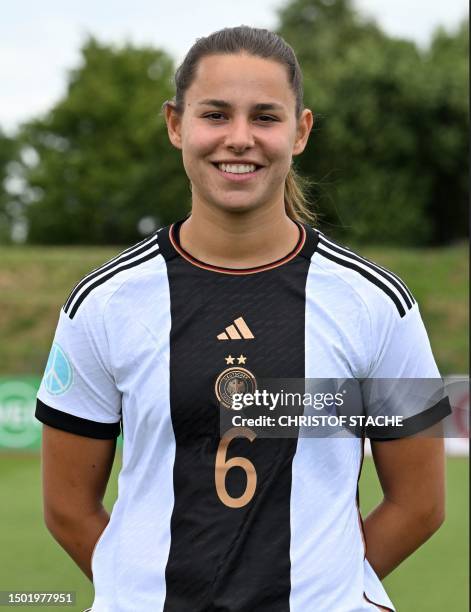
[(230, 360)]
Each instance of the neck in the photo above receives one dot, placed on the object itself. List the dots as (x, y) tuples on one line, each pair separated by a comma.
[(238, 240)]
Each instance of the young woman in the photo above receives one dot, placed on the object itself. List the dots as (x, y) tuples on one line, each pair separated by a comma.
[(163, 334)]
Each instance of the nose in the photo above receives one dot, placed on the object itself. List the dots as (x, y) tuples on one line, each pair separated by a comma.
[(239, 135)]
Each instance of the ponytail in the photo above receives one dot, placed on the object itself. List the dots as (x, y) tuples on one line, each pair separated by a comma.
[(297, 204)]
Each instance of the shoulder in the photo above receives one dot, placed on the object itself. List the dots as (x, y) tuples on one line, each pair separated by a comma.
[(133, 265), (377, 287), (375, 303)]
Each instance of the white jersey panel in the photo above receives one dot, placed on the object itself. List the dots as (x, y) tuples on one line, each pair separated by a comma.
[(339, 343), (327, 571), (130, 558)]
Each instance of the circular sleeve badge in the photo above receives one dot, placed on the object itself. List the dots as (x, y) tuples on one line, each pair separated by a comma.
[(58, 376)]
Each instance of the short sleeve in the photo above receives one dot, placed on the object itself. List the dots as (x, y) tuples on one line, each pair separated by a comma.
[(403, 379), (78, 393)]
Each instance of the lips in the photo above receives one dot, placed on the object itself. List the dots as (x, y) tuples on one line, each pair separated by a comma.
[(239, 162)]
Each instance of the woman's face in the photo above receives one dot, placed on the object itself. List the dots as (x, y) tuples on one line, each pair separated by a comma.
[(222, 124)]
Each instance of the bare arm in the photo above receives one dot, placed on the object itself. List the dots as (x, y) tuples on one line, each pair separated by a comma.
[(412, 476), (75, 472)]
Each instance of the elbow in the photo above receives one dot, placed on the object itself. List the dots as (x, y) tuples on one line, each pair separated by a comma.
[(54, 519), (59, 520), (432, 518)]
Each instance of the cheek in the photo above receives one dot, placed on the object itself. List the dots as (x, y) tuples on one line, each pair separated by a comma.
[(198, 140), (278, 144), (195, 153), (280, 150)]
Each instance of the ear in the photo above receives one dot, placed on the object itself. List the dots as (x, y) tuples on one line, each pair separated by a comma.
[(303, 130), (173, 121)]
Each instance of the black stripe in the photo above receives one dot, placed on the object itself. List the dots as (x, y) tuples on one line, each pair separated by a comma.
[(412, 425), (103, 279), (384, 273), (77, 425), (348, 251), (376, 265), (225, 558), (367, 275), (399, 280), (110, 261), (108, 266)]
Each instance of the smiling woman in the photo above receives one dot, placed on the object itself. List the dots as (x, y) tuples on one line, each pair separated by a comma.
[(161, 337), (239, 125)]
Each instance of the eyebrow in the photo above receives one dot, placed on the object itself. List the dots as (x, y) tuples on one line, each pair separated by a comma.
[(257, 107)]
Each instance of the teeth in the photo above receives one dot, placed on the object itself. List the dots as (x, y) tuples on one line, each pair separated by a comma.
[(237, 168)]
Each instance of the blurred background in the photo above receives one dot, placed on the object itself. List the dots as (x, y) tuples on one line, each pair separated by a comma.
[(86, 169)]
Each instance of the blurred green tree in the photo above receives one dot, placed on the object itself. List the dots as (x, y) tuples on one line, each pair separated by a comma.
[(388, 149), (104, 162), (443, 131), (381, 177), (8, 152)]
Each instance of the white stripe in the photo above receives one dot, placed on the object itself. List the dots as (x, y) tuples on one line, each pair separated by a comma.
[(373, 272), (115, 269), (383, 270)]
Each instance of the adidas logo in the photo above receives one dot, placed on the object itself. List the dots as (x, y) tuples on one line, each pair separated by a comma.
[(238, 331)]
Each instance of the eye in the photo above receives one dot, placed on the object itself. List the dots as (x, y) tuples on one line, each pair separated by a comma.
[(267, 117), (211, 115)]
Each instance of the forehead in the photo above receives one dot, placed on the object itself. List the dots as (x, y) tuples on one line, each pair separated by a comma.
[(240, 78)]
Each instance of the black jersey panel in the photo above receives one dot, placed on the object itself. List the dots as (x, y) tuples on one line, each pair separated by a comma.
[(223, 557)]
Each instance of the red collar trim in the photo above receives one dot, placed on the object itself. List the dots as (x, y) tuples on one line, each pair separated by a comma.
[(236, 271)]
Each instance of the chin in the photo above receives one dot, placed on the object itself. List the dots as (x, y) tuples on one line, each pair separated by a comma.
[(236, 207)]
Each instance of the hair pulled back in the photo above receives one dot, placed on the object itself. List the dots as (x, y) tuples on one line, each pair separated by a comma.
[(260, 43)]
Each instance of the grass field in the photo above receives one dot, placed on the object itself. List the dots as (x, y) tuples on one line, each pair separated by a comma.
[(434, 579), (34, 283)]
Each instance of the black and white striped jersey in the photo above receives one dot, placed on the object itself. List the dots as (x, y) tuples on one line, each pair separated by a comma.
[(240, 524)]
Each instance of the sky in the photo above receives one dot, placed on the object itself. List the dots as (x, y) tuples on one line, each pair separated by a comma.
[(40, 41)]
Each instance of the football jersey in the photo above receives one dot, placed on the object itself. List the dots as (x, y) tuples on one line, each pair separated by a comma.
[(147, 342)]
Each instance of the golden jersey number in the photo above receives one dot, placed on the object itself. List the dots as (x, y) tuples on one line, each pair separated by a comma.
[(223, 466)]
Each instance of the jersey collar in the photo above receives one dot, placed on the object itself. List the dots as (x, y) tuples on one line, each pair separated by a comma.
[(170, 247)]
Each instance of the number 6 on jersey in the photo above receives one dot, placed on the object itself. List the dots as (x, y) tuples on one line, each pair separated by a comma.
[(222, 467)]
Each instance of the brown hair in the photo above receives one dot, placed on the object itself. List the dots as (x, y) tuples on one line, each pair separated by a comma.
[(260, 43)]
